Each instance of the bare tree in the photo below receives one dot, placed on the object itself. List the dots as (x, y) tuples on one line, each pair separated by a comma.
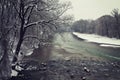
[(24, 20), (34, 14), (116, 15)]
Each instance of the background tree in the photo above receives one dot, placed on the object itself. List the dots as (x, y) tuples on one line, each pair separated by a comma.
[(116, 15), (5, 28), (106, 25), (83, 26)]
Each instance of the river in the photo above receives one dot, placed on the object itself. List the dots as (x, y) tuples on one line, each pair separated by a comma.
[(68, 46)]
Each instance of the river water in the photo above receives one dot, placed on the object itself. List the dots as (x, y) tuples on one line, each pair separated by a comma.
[(67, 44)]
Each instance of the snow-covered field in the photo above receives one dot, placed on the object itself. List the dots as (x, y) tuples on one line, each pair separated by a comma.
[(103, 41)]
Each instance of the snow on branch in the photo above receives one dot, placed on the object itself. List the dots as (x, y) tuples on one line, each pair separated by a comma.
[(39, 22), (31, 36)]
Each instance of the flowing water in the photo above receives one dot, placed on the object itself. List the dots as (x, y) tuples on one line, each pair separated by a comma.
[(68, 44)]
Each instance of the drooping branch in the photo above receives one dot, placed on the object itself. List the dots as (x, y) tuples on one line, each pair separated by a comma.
[(31, 36), (38, 22)]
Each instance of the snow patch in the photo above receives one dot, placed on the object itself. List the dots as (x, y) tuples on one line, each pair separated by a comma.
[(106, 45), (19, 68), (103, 41), (14, 73)]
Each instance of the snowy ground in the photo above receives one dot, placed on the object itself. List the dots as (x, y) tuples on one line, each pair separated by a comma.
[(103, 41)]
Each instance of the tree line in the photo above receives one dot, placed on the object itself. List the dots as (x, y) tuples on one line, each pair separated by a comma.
[(107, 25)]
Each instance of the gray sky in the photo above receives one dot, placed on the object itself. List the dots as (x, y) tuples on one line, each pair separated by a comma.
[(92, 9)]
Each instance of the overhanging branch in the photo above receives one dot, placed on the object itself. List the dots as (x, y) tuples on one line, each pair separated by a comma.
[(31, 36)]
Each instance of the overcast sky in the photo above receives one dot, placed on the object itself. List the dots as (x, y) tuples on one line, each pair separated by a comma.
[(92, 9)]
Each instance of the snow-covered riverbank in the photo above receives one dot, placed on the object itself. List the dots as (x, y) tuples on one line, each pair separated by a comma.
[(103, 41)]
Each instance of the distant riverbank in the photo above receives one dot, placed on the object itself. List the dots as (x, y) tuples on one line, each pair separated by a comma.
[(103, 41)]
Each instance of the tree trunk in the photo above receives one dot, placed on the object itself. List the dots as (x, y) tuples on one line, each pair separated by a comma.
[(5, 69), (22, 33), (15, 58)]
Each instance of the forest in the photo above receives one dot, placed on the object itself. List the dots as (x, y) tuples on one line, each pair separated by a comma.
[(106, 25)]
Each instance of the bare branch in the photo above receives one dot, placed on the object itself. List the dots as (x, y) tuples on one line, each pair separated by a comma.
[(7, 32), (38, 22), (27, 8), (32, 7), (15, 7), (31, 36)]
